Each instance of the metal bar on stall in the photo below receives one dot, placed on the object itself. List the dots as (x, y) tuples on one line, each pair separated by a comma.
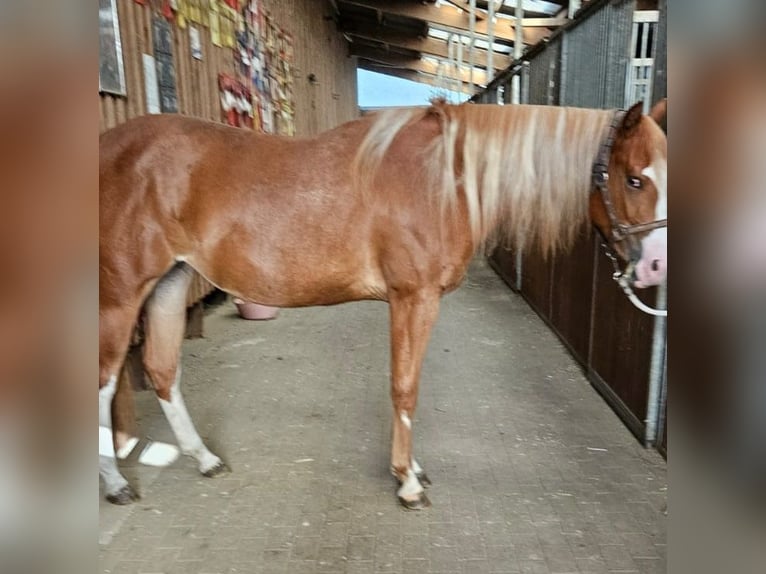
[(524, 73), (656, 369), (491, 35), (645, 40), (574, 6), (448, 84), (553, 82), (518, 48), (472, 33), (651, 54), (459, 74), (563, 95), (632, 74)]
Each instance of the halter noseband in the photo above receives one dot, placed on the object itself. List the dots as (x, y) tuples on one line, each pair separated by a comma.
[(621, 231)]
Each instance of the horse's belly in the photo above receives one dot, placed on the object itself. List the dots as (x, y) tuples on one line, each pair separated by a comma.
[(295, 281)]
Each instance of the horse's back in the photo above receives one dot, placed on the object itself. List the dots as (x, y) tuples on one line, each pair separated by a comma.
[(273, 219), (155, 142)]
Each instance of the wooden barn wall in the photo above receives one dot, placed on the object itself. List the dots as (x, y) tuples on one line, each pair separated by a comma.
[(319, 49), (322, 51)]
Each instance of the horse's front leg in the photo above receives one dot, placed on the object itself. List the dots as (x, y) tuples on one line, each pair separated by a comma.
[(412, 317)]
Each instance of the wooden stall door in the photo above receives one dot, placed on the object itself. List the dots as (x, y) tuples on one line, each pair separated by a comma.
[(571, 295), (621, 347)]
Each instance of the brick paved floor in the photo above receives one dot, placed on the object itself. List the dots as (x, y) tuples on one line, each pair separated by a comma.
[(532, 472)]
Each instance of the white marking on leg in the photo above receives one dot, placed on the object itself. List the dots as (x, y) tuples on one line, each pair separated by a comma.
[(105, 442), (405, 419), (416, 467), (183, 427), (105, 396), (107, 465), (124, 451), (411, 487)]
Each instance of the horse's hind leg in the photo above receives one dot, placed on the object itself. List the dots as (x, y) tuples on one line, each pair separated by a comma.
[(412, 317), (165, 321)]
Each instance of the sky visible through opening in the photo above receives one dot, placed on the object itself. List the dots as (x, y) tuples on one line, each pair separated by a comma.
[(379, 90)]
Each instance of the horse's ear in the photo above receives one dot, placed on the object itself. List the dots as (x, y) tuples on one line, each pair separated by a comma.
[(659, 111), (632, 118)]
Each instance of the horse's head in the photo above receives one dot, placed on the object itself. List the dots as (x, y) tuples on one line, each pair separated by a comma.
[(628, 202)]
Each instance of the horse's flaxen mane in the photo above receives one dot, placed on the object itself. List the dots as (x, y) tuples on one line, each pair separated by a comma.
[(525, 171)]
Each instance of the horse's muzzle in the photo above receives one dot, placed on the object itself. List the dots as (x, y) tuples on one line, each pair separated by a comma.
[(651, 268)]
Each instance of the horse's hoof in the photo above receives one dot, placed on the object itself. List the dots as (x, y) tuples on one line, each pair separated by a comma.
[(218, 470), (423, 479), (126, 495), (419, 504)]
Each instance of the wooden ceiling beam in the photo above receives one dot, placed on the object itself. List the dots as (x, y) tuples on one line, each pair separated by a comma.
[(416, 64), (483, 6), (420, 77), (447, 18), (551, 22), (428, 46)]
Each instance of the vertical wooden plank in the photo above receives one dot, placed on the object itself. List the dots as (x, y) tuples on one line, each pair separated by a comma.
[(108, 111), (139, 42), (207, 75), (182, 73), (572, 287), (120, 110), (192, 83), (201, 78), (128, 36), (210, 79), (190, 80), (213, 75), (101, 114), (147, 15)]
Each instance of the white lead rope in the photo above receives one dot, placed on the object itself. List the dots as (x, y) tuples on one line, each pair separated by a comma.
[(623, 280)]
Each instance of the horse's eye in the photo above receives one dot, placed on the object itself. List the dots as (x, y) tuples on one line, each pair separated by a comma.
[(634, 182)]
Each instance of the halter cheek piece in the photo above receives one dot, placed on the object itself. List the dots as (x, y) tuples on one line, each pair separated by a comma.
[(620, 231)]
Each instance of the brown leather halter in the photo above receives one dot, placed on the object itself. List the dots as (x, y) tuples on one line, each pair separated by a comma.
[(621, 231)]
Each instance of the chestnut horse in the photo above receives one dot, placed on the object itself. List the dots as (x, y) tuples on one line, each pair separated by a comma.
[(388, 207)]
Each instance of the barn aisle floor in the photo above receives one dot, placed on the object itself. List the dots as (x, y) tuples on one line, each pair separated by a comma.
[(532, 472)]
